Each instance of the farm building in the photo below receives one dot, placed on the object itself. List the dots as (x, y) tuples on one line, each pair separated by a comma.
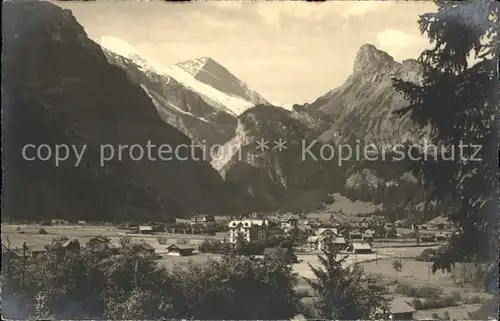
[(35, 251), (337, 240), (401, 310), (145, 229), (180, 250), (441, 237), (356, 235), (58, 221), (367, 237), (361, 248), (427, 237)]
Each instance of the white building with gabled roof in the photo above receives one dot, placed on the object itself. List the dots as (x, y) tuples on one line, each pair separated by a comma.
[(251, 230)]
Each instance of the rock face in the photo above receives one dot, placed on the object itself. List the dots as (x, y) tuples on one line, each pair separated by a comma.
[(279, 177), (362, 107), (59, 88), (359, 109)]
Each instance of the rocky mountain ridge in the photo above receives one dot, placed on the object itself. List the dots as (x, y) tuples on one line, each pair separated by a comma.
[(363, 106)]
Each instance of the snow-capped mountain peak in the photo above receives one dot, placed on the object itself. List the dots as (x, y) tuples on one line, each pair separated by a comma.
[(214, 83), (196, 65), (212, 73)]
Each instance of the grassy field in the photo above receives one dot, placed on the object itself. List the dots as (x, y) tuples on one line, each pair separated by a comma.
[(29, 234)]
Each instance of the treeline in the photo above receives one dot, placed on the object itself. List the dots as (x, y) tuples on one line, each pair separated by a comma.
[(97, 283)]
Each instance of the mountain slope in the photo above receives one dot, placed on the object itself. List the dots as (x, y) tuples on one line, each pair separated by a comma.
[(59, 88), (362, 107)]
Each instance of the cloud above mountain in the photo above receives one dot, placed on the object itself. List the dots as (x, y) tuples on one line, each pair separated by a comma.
[(309, 47)]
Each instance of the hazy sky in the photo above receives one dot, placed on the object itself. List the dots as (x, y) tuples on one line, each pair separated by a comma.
[(289, 52)]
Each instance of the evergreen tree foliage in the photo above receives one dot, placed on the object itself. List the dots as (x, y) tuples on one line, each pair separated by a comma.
[(343, 291), (458, 102)]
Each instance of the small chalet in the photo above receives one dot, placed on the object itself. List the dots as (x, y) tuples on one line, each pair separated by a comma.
[(180, 250), (441, 237), (401, 310), (35, 251), (427, 237), (289, 221), (361, 248), (367, 236), (337, 240), (58, 221), (202, 220), (72, 245), (145, 229), (356, 235)]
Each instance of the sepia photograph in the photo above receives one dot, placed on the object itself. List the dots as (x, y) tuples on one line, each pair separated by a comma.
[(250, 160)]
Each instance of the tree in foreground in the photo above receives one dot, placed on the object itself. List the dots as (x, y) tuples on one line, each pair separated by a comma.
[(343, 290), (458, 103), (97, 282), (237, 287)]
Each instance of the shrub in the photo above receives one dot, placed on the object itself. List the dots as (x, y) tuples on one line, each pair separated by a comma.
[(476, 299), (435, 302), (425, 291), (451, 300), (303, 293), (456, 295), (162, 240), (417, 304), (397, 265), (426, 255), (469, 274), (209, 246), (182, 241)]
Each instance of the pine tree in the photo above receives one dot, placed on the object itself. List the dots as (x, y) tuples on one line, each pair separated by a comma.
[(344, 291), (459, 104)]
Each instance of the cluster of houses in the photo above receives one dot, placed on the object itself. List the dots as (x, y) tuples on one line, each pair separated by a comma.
[(34, 251), (258, 229), (356, 237)]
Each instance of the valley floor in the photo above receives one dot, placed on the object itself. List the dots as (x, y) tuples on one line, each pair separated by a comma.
[(379, 263)]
